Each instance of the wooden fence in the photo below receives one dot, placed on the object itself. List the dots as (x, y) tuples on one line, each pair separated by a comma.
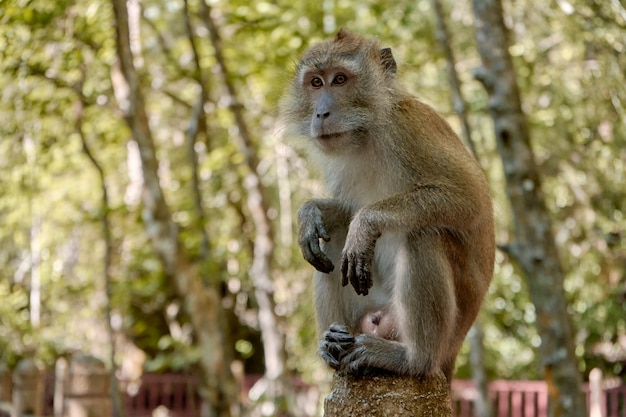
[(177, 395), (530, 398), (508, 398)]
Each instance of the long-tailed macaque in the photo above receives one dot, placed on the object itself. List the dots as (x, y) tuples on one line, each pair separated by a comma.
[(408, 223)]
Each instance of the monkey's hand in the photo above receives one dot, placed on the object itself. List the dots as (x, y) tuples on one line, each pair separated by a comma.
[(358, 254), (310, 231), (336, 343)]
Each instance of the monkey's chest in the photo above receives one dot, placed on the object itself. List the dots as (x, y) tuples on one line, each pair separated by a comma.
[(361, 179)]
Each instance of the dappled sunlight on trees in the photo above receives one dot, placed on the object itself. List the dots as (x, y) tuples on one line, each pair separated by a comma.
[(229, 190)]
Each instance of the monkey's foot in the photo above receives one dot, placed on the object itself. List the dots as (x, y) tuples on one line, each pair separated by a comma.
[(371, 353), (336, 343)]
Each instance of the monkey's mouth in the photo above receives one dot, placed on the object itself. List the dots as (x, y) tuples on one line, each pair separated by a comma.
[(327, 136)]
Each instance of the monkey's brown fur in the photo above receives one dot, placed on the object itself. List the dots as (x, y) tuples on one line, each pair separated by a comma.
[(408, 222)]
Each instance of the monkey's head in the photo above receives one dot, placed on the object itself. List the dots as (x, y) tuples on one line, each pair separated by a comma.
[(342, 87)]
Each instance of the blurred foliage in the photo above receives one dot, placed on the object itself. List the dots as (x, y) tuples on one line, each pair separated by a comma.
[(570, 56)]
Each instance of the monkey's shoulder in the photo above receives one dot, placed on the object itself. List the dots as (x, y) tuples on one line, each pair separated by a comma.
[(421, 117), (425, 136)]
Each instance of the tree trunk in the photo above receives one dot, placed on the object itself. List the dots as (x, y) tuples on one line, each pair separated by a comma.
[(202, 304), (34, 299), (458, 102), (388, 396), (534, 249), (482, 404), (116, 399), (272, 335), (475, 336)]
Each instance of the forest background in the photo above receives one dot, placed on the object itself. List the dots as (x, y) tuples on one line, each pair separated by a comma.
[(176, 242)]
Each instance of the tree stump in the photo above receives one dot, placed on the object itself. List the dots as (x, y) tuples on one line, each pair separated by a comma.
[(388, 396)]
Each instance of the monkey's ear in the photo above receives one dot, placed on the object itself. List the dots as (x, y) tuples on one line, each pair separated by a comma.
[(387, 60), (343, 33)]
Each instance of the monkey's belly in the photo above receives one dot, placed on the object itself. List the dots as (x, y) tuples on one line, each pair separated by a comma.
[(391, 258), (342, 305)]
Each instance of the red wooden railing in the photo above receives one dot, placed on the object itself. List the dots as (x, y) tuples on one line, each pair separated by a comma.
[(530, 398), (177, 394), (508, 398)]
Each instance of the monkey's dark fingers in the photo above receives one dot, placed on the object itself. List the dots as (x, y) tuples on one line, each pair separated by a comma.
[(321, 231), (348, 272), (336, 343), (338, 328), (322, 263), (315, 256), (340, 335), (364, 277), (328, 355), (355, 269), (345, 265), (355, 362), (354, 278)]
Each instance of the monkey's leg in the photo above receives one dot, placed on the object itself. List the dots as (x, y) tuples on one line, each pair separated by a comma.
[(334, 305), (424, 305)]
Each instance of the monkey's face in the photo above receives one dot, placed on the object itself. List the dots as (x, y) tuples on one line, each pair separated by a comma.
[(335, 116), (340, 91)]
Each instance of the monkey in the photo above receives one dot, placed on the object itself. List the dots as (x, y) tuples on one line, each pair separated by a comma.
[(407, 227)]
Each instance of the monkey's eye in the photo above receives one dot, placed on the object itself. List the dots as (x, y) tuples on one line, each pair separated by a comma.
[(340, 79), (317, 82)]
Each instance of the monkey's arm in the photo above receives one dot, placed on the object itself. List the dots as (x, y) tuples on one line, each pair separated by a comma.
[(434, 207), (318, 219)]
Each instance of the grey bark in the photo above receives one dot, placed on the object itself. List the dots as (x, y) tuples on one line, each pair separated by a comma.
[(201, 303), (116, 400), (475, 335), (534, 248), (272, 336), (479, 374), (196, 124), (458, 102)]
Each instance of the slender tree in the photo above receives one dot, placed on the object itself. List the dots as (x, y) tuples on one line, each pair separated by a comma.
[(116, 400), (458, 101), (534, 249), (272, 335), (202, 303), (475, 336)]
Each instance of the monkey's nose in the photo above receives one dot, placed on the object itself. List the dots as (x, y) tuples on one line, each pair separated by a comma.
[(323, 115)]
